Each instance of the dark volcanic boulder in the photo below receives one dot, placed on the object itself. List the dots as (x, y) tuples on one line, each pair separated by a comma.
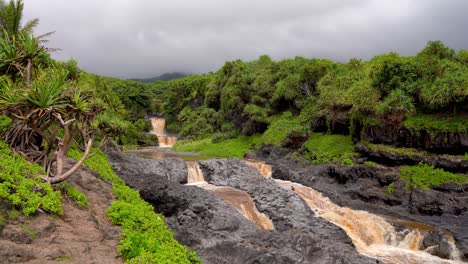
[(137, 169)]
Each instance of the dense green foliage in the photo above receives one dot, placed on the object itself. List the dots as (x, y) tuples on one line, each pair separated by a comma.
[(21, 185), (329, 149), (279, 129), (245, 97), (425, 176), (230, 148), (145, 238)]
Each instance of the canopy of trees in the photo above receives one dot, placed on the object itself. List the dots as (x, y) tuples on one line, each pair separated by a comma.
[(246, 96)]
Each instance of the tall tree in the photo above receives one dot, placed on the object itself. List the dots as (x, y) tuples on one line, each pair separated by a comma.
[(11, 15)]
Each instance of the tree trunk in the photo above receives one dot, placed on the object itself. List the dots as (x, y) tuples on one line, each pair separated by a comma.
[(62, 177), (28, 72)]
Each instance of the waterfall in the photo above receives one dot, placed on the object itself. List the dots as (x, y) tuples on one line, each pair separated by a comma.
[(194, 172), (159, 125), (260, 166), (240, 200), (372, 235)]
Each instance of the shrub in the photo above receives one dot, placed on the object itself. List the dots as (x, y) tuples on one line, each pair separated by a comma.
[(279, 129), (329, 149), (425, 176), (5, 123), (21, 185)]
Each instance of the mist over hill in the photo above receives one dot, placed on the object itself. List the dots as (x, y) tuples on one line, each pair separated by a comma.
[(163, 77)]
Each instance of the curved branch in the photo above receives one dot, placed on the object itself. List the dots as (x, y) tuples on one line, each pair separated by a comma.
[(62, 177)]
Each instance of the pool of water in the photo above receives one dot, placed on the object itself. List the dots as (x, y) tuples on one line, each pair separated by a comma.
[(163, 153)]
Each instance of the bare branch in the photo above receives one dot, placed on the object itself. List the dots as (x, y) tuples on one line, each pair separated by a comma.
[(60, 178)]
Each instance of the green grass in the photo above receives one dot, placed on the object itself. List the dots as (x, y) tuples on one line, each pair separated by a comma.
[(438, 123), (64, 258), (231, 148), (145, 238), (391, 188), (78, 197), (425, 176), (21, 186), (410, 152), (279, 129), (13, 214), (329, 149), (31, 233)]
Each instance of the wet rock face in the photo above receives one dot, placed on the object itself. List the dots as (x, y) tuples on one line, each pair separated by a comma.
[(438, 142), (173, 169), (448, 163), (436, 244), (364, 187), (218, 231)]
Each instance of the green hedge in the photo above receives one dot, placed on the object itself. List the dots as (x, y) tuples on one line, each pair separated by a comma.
[(329, 149), (145, 238), (425, 176), (21, 185)]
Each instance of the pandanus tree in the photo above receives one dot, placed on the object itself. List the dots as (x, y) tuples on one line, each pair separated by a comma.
[(11, 15), (49, 116)]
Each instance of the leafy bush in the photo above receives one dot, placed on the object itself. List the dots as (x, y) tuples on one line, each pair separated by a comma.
[(279, 129), (21, 185), (80, 198), (397, 102), (145, 238), (425, 176), (329, 149), (5, 123)]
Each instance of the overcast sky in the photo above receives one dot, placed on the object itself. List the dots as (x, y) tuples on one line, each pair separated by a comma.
[(145, 38)]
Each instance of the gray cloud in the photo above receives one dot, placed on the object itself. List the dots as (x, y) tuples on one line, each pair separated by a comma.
[(143, 38)]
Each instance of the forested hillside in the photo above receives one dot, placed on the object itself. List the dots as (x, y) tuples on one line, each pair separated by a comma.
[(428, 91)]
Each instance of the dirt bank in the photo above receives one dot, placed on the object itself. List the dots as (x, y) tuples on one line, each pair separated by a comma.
[(79, 236)]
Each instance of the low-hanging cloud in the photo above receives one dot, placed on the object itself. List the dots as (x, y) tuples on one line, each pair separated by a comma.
[(144, 38)]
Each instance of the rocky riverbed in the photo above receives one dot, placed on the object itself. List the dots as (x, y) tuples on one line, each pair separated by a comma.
[(220, 233), (365, 187)]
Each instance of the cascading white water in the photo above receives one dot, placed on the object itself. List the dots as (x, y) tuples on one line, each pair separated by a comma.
[(372, 235), (159, 125), (239, 199)]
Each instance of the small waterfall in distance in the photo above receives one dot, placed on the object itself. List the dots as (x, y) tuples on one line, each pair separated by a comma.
[(159, 125)]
